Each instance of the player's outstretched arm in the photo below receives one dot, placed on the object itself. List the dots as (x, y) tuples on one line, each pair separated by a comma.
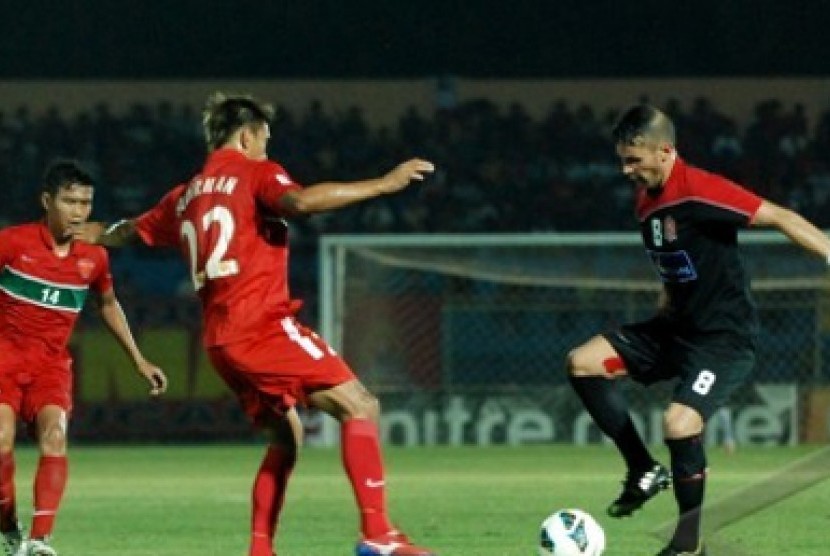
[(794, 226), (109, 235), (116, 322), (333, 195)]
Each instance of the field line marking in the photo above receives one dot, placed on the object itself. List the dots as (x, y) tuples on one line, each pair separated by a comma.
[(751, 499)]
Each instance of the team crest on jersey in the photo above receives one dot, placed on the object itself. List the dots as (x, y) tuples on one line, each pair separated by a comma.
[(85, 268), (669, 228)]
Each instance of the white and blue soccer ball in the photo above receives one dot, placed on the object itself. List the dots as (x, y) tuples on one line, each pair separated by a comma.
[(570, 532)]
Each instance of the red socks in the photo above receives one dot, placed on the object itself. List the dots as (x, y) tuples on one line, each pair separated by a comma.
[(8, 506), (268, 496), (50, 482), (360, 450)]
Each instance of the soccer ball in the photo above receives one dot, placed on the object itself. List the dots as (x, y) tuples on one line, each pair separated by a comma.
[(571, 533)]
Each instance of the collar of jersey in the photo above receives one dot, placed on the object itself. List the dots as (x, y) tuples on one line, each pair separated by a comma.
[(49, 241), (676, 174), (227, 153)]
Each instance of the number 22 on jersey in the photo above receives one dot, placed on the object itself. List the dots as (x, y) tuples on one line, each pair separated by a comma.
[(216, 265)]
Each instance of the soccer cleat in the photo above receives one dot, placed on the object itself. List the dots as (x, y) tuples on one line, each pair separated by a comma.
[(38, 547), (393, 543), (12, 540), (671, 551), (638, 488)]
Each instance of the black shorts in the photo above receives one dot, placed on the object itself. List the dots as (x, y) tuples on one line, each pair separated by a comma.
[(710, 366)]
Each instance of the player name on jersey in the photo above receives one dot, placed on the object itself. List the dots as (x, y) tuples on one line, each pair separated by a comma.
[(204, 186), (43, 293)]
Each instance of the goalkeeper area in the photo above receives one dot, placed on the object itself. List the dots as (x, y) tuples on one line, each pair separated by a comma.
[(464, 337), (460, 501)]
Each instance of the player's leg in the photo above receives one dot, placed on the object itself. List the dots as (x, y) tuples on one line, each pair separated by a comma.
[(712, 371), (683, 430), (275, 415), (358, 411), (9, 525), (52, 470), (293, 364), (284, 433), (592, 370)]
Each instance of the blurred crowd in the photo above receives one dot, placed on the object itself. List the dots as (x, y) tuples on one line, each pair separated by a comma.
[(499, 169)]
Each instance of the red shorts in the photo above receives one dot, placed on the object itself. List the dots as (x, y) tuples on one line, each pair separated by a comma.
[(32, 383), (273, 372)]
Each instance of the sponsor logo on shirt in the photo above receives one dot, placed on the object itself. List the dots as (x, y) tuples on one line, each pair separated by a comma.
[(283, 179), (674, 266), (85, 268)]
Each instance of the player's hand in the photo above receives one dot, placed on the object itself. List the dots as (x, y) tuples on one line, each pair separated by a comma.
[(403, 174), (89, 232), (154, 375)]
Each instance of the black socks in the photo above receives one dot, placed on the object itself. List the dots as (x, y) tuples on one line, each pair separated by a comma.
[(605, 402)]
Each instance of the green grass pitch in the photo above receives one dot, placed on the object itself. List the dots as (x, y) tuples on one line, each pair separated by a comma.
[(189, 501)]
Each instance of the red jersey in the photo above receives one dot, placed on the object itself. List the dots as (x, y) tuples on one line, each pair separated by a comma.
[(41, 293), (226, 224)]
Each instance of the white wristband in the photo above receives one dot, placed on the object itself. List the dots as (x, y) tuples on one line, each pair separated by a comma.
[(112, 227)]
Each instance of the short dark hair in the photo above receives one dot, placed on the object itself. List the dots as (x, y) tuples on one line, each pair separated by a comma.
[(62, 173), (224, 114), (643, 124)]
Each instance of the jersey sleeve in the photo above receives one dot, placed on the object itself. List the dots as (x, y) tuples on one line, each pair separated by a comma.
[(272, 182), (102, 283), (158, 227), (726, 201)]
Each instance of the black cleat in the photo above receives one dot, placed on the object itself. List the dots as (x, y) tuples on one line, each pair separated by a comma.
[(671, 551), (638, 488)]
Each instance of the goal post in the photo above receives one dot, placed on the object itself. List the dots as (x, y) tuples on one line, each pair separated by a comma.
[(463, 337)]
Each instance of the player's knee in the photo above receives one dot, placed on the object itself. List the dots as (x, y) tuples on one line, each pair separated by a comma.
[(6, 439), (368, 407), (582, 363), (681, 422), (52, 440), (577, 364), (364, 406)]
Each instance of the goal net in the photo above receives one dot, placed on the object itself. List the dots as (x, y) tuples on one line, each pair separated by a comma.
[(464, 337)]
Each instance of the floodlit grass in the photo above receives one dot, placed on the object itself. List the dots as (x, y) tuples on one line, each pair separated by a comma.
[(193, 500)]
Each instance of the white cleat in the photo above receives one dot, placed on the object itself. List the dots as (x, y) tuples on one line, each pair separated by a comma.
[(38, 547)]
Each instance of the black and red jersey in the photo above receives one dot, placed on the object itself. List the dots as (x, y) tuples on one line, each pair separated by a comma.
[(690, 232)]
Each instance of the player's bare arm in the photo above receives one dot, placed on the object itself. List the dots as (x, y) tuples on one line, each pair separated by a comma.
[(794, 226), (333, 195), (116, 321), (109, 235)]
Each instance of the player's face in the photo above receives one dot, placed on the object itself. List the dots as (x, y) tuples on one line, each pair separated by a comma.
[(69, 207), (258, 142), (645, 165)]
